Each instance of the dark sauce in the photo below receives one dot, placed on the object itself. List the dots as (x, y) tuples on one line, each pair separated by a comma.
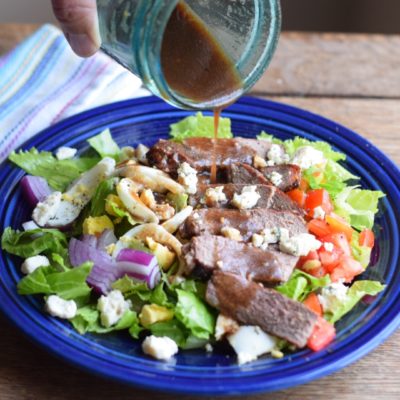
[(195, 65)]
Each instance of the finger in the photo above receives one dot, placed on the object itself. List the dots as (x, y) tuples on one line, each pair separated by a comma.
[(79, 22)]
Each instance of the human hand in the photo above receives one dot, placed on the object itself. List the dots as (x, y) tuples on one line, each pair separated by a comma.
[(79, 22)]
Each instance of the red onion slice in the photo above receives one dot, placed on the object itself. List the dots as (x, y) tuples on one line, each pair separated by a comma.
[(35, 189)]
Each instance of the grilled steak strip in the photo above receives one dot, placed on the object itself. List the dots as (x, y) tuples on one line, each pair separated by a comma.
[(212, 220), (271, 197), (205, 254), (167, 155), (242, 173), (251, 304)]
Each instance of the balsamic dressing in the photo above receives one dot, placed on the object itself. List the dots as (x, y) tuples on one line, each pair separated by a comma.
[(195, 65)]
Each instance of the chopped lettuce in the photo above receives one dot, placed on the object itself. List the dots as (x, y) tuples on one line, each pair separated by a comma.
[(121, 213), (98, 202), (69, 285), (23, 244), (270, 138), (358, 206), (292, 145), (174, 329), (194, 314), (87, 319), (355, 293), (178, 200), (58, 173), (301, 284), (361, 253), (104, 144), (200, 126)]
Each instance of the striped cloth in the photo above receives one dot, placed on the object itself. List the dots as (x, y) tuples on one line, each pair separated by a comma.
[(42, 82)]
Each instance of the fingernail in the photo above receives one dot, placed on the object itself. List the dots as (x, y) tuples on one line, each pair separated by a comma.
[(82, 44)]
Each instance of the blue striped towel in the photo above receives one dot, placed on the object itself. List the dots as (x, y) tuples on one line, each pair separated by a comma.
[(42, 82)]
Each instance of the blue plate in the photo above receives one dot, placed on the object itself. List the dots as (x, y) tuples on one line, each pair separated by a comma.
[(117, 356)]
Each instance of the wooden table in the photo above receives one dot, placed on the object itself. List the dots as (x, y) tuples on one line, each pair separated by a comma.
[(353, 79)]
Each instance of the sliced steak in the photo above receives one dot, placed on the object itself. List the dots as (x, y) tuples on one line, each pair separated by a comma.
[(251, 304), (207, 253), (212, 220), (167, 155), (242, 173), (271, 197)]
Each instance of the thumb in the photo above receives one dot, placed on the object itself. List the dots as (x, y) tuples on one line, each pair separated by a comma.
[(79, 22)]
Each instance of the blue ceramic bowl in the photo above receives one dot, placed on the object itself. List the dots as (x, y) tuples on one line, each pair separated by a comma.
[(117, 356)]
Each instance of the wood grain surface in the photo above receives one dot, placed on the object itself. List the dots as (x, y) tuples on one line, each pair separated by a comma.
[(353, 79)]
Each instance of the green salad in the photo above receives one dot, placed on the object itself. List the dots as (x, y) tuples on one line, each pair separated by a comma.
[(105, 248)]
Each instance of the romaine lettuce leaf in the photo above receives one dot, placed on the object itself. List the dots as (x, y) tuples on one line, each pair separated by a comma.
[(292, 145), (174, 329), (98, 202), (355, 293), (360, 253), (301, 284), (270, 138), (105, 145), (69, 285), (22, 244), (178, 200), (58, 173), (200, 126), (194, 314), (358, 206), (87, 319)]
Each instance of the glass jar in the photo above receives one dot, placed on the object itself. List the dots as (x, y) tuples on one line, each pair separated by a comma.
[(247, 31)]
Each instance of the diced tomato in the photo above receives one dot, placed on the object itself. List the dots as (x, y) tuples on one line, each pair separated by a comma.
[(347, 269), (329, 259), (318, 227), (367, 238), (297, 195), (312, 302), (319, 272), (338, 225), (340, 242), (312, 255), (304, 186), (318, 198), (322, 335)]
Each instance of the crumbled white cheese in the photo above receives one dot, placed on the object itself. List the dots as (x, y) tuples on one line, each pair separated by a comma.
[(306, 157), (299, 245), (112, 307), (276, 155), (224, 325), (208, 348), (47, 209), (128, 153), (58, 307), (215, 195), (319, 213), (232, 233), (161, 348), (257, 240), (29, 226), (329, 246), (247, 199), (332, 295), (141, 152), (265, 237), (259, 162), (276, 178), (33, 263), (250, 342), (64, 153), (220, 264), (187, 177)]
